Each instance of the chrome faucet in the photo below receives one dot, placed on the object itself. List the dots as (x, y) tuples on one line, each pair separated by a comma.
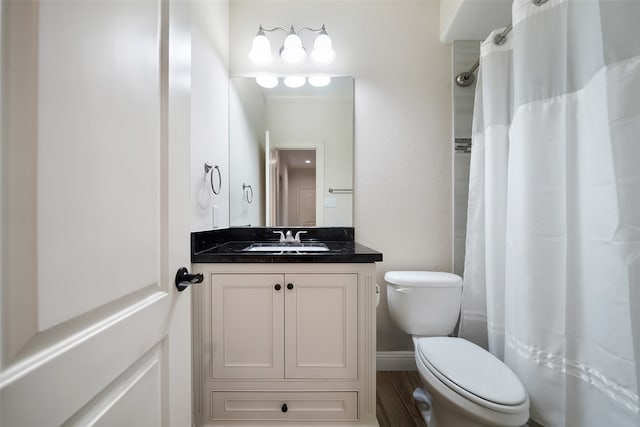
[(288, 236)]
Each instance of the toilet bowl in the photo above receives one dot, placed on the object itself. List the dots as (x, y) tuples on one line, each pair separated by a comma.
[(466, 386), (469, 386)]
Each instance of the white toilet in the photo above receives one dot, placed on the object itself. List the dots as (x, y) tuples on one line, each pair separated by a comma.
[(467, 386)]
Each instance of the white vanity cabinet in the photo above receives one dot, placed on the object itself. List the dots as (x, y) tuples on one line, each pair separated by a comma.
[(284, 325), (285, 344)]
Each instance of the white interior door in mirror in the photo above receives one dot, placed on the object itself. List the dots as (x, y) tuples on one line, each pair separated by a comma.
[(306, 207), (95, 222)]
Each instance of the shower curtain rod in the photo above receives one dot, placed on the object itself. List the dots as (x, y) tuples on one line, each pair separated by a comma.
[(501, 37), (468, 77)]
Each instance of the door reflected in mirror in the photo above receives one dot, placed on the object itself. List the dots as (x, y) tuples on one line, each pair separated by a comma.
[(293, 146), (294, 182)]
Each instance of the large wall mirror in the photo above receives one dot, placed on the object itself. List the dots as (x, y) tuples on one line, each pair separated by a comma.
[(290, 154)]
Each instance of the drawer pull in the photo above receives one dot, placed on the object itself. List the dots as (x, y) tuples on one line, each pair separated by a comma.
[(284, 407), (290, 286), (278, 287)]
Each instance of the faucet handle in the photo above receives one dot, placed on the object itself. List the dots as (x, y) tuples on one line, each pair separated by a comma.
[(281, 235), (297, 238)]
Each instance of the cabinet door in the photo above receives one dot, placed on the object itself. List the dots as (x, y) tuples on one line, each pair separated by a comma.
[(321, 322), (247, 325)]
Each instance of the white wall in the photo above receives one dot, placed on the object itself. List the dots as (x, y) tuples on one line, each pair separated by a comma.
[(246, 147), (209, 111), (403, 146)]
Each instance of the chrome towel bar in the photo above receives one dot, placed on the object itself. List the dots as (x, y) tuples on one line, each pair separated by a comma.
[(341, 190)]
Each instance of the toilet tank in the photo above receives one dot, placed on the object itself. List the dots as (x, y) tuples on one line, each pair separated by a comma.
[(424, 303)]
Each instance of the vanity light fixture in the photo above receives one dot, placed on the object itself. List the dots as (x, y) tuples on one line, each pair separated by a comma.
[(292, 51), (323, 53), (267, 81), (260, 52), (294, 81), (270, 81), (319, 81)]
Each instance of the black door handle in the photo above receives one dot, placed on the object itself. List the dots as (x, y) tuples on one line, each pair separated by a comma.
[(290, 286), (278, 287), (284, 407), (184, 279)]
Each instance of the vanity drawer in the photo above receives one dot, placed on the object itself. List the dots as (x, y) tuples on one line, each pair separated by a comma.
[(268, 405)]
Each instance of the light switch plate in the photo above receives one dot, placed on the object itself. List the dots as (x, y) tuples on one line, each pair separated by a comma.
[(330, 202)]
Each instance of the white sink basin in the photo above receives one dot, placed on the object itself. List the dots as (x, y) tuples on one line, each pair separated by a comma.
[(286, 247)]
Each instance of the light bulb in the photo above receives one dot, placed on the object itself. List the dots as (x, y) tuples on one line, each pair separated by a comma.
[(319, 81), (292, 52), (260, 52), (294, 81), (323, 52), (267, 81)]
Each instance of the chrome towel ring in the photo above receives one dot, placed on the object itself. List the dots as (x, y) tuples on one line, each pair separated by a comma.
[(248, 195), (207, 168)]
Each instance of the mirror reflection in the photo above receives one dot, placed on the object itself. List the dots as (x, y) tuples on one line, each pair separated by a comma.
[(291, 154)]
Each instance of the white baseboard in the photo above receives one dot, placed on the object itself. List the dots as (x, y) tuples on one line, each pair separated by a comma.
[(395, 361)]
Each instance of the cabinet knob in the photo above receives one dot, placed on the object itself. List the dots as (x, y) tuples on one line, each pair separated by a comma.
[(278, 287), (284, 407), (290, 286)]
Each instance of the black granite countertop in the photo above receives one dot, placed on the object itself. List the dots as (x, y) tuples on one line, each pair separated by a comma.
[(226, 246)]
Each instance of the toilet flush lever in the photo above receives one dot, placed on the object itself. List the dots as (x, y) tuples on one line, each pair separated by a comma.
[(184, 279)]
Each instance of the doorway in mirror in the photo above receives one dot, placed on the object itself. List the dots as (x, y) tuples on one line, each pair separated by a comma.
[(294, 181)]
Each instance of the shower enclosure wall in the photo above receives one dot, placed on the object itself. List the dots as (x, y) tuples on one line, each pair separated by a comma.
[(465, 54)]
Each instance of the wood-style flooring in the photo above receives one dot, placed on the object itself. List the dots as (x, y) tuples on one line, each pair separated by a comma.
[(394, 399)]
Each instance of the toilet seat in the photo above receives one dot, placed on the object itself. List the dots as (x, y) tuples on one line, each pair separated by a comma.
[(472, 372)]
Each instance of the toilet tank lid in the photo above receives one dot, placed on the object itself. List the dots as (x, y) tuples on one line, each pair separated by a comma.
[(426, 279)]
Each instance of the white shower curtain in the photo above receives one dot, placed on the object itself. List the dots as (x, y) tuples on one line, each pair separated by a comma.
[(552, 271)]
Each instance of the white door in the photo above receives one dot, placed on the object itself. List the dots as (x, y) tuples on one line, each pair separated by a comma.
[(270, 170), (306, 207), (95, 211)]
